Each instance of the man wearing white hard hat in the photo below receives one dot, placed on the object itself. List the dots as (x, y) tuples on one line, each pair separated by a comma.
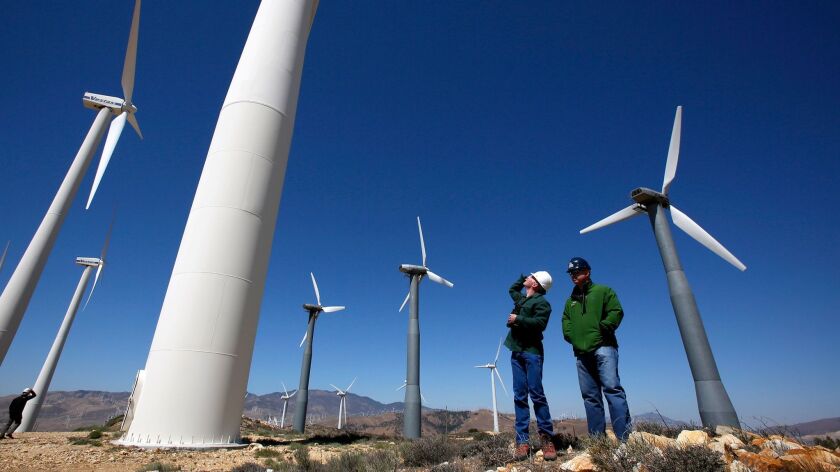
[(527, 321), (16, 412)]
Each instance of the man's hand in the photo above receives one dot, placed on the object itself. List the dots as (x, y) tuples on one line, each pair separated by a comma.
[(511, 319)]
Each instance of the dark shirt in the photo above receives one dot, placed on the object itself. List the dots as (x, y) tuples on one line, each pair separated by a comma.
[(16, 407)]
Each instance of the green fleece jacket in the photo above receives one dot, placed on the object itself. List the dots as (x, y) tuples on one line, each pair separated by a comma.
[(590, 318), (532, 315)]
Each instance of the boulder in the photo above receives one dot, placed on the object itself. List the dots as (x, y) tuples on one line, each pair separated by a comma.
[(731, 441), (697, 438), (737, 466), (653, 439), (817, 454), (759, 463), (780, 445), (805, 463), (580, 463)]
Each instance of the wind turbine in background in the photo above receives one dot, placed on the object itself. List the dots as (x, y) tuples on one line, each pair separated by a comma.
[(42, 384), (21, 285), (411, 425), (493, 370), (342, 404), (285, 397), (405, 382), (306, 363), (712, 400)]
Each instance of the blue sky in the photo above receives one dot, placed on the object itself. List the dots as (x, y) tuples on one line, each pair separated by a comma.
[(507, 126)]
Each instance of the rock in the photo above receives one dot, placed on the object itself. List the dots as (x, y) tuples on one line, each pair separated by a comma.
[(721, 430), (737, 466), (720, 448), (781, 446), (580, 463), (759, 463), (570, 449), (817, 454), (731, 441), (769, 452), (687, 437), (255, 446), (647, 438)]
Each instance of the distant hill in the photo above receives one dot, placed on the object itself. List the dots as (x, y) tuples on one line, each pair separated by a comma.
[(652, 417)]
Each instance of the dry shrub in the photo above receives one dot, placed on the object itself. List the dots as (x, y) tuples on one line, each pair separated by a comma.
[(660, 429), (427, 451), (489, 450), (266, 452), (377, 461), (448, 467), (160, 467), (610, 457), (686, 459)]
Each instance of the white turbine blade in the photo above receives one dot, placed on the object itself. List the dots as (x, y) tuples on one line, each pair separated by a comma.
[(351, 384), (315, 285), (481, 367), (293, 394), (498, 350), (405, 301), (110, 143), (673, 153), (131, 55), (107, 239), (95, 280), (132, 120), (436, 278), (330, 309), (422, 243), (423, 397), (621, 215), (304, 338), (286, 392), (336, 388), (501, 381), (5, 251), (701, 236), (401, 386)]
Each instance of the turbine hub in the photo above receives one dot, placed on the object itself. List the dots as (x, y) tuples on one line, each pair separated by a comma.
[(312, 308), (644, 196), (412, 269)]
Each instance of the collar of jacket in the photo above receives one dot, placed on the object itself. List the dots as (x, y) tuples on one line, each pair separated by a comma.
[(577, 292)]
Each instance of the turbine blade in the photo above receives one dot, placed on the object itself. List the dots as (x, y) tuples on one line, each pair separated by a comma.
[(351, 384), (480, 366), (621, 215), (293, 394), (701, 236), (422, 243), (95, 280), (498, 350), (501, 382), (304, 338), (336, 388), (673, 152), (315, 285), (131, 55), (436, 278), (108, 238), (401, 387), (330, 309), (132, 120), (5, 251), (110, 144), (286, 392), (423, 397), (405, 301)]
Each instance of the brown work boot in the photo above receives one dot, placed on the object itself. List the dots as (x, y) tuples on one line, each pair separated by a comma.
[(523, 450), (549, 453)]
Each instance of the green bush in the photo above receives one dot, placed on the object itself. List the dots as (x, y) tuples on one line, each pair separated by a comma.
[(427, 451), (303, 461), (266, 452), (84, 442), (686, 459), (827, 442), (95, 434), (160, 467)]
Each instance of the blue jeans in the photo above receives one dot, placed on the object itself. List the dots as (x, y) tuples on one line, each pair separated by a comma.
[(597, 374), (527, 380)]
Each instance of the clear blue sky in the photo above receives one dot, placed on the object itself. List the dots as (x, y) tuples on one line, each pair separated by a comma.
[(507, 126)]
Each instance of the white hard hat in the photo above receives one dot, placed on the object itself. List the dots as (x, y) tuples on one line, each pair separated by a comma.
[(27, 390), (543, 278)]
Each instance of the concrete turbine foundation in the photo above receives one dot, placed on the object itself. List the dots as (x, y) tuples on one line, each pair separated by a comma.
[(199, 361)]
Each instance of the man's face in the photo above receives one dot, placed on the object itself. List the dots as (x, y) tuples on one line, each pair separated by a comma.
[(531, 282), (579, 277)]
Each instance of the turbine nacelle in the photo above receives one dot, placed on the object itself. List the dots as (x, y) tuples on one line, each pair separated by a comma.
[(89, 261), (645, 196), (411, 269), (313, 308), (117, 105)]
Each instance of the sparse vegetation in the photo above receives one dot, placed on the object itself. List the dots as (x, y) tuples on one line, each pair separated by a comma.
[(828, 442), (95, 434), (610, 457), (266, 452), (85, 441), (427, 451), (686, 459), (489, 450), (160, 467), (660, 429)]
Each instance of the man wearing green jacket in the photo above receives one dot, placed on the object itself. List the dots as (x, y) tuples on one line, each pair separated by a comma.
[(527, 321), (590, 318)]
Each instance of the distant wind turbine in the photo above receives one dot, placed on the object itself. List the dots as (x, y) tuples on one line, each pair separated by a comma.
[(405, 382), (285, 397), (342, 403), (493, 370), (713, 401), (306, 363), (42, 384), (411, 418), (21, 285)]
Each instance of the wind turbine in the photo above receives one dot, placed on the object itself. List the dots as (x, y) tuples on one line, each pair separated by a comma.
[(21, 285), (411, 418), (342, 403), (493, 370), (285, 397), (712, 400), (405, 382), (3, 257), (42, 384), (306, 363)]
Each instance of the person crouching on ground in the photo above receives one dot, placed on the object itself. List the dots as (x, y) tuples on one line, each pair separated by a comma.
[(527, 322), (16, 412), (590, 318)]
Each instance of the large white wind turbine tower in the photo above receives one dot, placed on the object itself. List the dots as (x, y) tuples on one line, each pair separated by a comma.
[(285, 397), (712, 400), (342, 403), (200, 358), (42, 384), (411, 418), (302, 403), (21, 285), (493, 370)]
